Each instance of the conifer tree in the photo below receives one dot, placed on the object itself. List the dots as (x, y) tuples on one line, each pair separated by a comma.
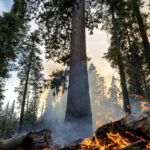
[(135, 6), (10, 25), (114, 54), (30, 67)]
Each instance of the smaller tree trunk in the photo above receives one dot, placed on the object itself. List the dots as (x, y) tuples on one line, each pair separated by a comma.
[(143, 33), (25, 94), (120, 65)]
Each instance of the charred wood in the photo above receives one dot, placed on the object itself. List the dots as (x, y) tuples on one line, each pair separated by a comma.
[(37, 140)]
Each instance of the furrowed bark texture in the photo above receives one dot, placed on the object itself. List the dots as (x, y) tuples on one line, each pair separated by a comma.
[(78, 104)]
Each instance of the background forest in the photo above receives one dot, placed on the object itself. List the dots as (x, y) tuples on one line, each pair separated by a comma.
[(42, 99)]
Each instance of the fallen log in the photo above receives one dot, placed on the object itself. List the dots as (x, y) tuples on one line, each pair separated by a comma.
[(130, 132), (30, 141), (134, 145)]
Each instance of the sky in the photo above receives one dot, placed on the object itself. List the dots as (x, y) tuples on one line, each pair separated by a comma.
[(97, 45), (5, 5)]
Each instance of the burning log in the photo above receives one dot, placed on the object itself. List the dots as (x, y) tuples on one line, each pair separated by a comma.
[(127, 133), (136, 145), (30, 141)]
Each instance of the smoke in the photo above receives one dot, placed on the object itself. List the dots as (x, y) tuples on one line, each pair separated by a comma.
[(54, 116), (106, 105)]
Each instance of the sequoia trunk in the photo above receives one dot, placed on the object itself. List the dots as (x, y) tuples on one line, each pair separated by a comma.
[(78, 109)]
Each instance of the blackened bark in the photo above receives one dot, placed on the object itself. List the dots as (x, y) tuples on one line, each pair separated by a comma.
[(120, 66), (142, 32), (78, 103), (25, 94)]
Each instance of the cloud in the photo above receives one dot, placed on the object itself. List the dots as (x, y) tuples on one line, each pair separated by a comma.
[(2, 7), (5, 5)]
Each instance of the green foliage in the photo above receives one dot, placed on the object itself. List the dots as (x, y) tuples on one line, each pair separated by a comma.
[(1, 92), (57, 79), (9, 34), (55, 22), (113, 56), (114, 92), (29, 64), (10, 25), (8, 121), (130, 33), (55, 26)]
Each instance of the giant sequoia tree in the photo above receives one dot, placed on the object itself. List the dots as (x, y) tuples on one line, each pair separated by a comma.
[(62, 24), (78, 103)]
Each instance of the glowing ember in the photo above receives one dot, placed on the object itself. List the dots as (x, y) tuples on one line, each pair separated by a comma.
[(51, 147), (109, 114), (145, 105), (127, 114), (98, 114), (99, 123), (114, 119), (148, 146), (31, 134), (128, 106), (137, 96)]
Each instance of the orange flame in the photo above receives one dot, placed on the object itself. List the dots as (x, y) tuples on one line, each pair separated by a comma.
[(31, 134), (137, 96), (117, 142), (148, 146), (92, 144), (145, 105), (117, 139), (128, 106), (127, 114)]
